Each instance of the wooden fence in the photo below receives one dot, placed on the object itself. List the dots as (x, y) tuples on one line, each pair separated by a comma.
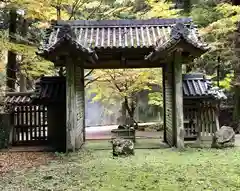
[(208, 121), (190, 122), (200, 121), (30, 125)]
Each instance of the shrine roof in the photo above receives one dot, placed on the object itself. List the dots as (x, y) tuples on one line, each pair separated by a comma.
[(196, 85), (92, 39)]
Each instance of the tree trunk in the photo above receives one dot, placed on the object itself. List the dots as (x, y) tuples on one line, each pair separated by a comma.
[(188, 68), (58, 9), (139, 5), (236, 112), (123, 116), (23, 82), (235, 2), (12, 57), (130, 111), (187, 6), (11, 71), (184, 4), (29, 83)]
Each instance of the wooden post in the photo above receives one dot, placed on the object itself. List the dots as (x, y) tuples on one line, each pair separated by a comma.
[(75, 108), (199, 124), (164, 106), (70, 105), (80, 106), (169, 105), (5, 130), (178, 126), (83, 104)]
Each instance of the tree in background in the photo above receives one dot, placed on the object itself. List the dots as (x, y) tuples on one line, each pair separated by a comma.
[(122, 85), (12, 56), (23, 41), (218, 29)]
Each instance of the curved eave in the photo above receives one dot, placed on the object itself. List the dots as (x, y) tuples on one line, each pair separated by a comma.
[(193, 48), (67, 46), (181, 37)]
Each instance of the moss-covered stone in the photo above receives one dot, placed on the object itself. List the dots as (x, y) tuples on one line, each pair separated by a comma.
[(122, 147), (224, 137)]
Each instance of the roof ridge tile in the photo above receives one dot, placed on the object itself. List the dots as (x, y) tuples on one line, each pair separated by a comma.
[(119, 23)]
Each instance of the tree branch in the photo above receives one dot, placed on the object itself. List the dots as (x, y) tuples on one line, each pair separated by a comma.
[(75, 6), (113, 80), (94, 10), (91, 81), (88, 73)]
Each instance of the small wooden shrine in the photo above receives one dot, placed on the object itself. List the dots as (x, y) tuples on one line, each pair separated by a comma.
[(39, 117), (201, 108)]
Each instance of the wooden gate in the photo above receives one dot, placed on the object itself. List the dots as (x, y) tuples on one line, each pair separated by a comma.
[(30, 125)]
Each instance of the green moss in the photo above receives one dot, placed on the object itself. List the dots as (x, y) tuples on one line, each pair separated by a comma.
[(163, 169)]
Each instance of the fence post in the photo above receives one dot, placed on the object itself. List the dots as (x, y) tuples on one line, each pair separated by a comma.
[(5, 129)]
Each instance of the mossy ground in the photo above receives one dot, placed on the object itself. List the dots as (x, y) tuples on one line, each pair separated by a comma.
[(155, 169)]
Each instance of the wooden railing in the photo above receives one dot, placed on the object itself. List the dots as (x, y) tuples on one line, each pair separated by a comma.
[(30, 124)]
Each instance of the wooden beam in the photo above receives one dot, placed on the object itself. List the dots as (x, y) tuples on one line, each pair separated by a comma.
[(19, 93), (178, 118), (117, 64)]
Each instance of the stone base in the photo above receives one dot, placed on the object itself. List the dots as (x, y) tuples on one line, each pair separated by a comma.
[(122, 147), (223, 145)]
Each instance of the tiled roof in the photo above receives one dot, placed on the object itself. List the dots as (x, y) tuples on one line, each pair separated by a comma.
[(196, 85), (18, 98), (99, 36), (50, 89)]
